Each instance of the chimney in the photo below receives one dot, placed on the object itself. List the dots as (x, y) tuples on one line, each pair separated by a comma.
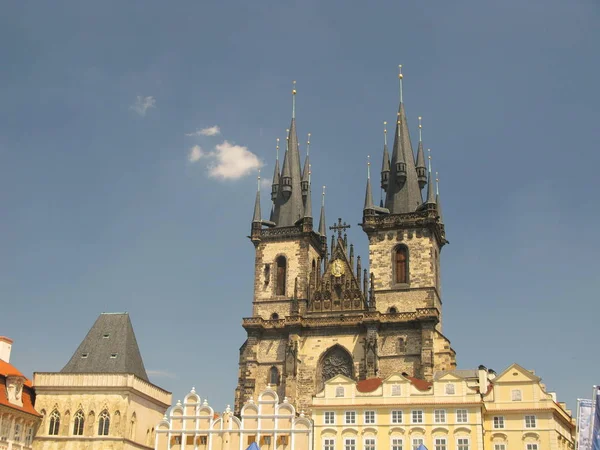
[(5, 346), (483, 379)]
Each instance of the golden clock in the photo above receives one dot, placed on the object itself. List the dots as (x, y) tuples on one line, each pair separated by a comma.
[(337, 268)]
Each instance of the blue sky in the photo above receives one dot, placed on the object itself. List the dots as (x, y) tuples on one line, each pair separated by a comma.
[(104, 209)]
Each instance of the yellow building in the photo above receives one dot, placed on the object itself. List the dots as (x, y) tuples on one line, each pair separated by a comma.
[(458, 410), (193, 425), (520, 415)]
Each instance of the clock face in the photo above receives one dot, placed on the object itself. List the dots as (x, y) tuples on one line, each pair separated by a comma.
[(337, 268)]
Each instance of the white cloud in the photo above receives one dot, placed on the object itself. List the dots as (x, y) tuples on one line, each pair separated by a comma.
[(266, 183), (195, 154), (161, 374), (210, 131), (232, 161), (143, 104)]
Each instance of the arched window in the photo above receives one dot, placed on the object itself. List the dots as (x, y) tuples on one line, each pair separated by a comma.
[(132, 430), (281, 275), (78, 423), (273, 376), (401, 345), (54, 423), (393, 310), (274, 316), (103, 423), (401, 264)]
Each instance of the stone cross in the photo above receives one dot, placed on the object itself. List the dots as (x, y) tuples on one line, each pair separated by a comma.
[(339, 227)]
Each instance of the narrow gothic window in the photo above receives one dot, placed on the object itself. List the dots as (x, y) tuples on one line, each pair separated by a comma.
[(273, 376), (103, 423), (78, 423), (401, 263), (281, 275), (54, 423), (401, 345)]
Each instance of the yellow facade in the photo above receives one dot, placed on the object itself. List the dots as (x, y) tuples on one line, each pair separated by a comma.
[(193, 425), (520, 415)]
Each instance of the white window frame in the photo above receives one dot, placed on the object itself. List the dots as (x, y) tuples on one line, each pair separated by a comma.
[(397, 443), (497, 421), (370, 413), (328, 443), (440, 412), (399, 416), (463, 438), (528, 419), (440, 445), (532, 446), (29, 436), (458, 415), (17, 431), (346, 417), (346, 445), (370, 438), (499, 446), (414, 445), (329, 417), (412, 415)]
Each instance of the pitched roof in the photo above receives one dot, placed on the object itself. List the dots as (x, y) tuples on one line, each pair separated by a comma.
[(8, 370), (368, 385), (109, 347), (461, 373)]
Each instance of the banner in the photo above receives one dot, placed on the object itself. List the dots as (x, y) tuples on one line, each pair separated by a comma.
[(596, 421), (584, 424)]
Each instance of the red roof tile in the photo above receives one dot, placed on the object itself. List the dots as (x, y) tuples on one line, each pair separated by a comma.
[(421, 385), (368, 385), (8, 370)]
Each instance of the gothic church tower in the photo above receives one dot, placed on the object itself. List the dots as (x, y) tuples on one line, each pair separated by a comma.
[(316, 313)]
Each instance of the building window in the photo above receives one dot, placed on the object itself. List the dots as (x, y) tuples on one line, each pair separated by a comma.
[(530, 422), (450, 389), (440, 444), (369, 417), (265, 440), (275, 316), (203, 440), (397, 416), (4, 428), (283, 440), (396, 390), (350, 418), (499, 447), (29, 436), (397, 444), (103, 423), (401, 345), (339, 391), (281, 275), (517, 395), (329, 417), (462, 444), (532, 447), (328, 444), (370, 444), (401, 260), (417, 442), (113, 355), (84, 355), (54, 423), (439, 416), (462, 416), (17, 433), (498, 422), (251, 439), (349, 444), (274, 376), (417, 416), (393, 310), (78, 422)]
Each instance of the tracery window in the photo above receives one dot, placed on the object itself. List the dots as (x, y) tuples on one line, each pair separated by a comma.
[(54, 423), (273, 376), (78, 423), (335, 362), (103, 423), (281, 275), (401, 264)]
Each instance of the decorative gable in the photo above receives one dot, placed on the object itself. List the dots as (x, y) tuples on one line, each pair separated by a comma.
[(14, 390)]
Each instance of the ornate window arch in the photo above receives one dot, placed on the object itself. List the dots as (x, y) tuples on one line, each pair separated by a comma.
[(54, 423), (281, 264), (401, 272), (103, 423), (335, 361), (78, 423), (274, 376)]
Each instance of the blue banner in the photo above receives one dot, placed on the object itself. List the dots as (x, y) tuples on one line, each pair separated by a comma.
[(596, 422)]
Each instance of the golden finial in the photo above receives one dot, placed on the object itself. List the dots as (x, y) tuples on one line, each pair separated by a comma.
[(277, 149), (385, 133), (429, 158), (400, 76), (437, 184), (287, 139), (258, 188), (420, 129), (308, 145), (368, 167), (323, 197), (294, 99)]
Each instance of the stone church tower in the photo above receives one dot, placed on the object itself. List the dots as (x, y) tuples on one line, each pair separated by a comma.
[(316, 313)]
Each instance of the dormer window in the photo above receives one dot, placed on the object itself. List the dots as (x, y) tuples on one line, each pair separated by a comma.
[(113, 355), (450, 389), (339, 391), (84, 355), (105, 336), (14, 390)]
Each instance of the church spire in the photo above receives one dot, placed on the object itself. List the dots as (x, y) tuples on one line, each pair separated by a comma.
[(430, 187), (322, 223), (257, 218), (421, 175), (305, 172), (437, 198), (369, 209), (403, 193), (308, 201), (275, 184), (385, 166)]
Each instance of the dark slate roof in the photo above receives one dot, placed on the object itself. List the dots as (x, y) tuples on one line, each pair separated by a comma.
[(109, 347)]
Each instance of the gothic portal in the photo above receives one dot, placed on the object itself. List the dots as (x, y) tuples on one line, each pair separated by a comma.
[(317, 312)]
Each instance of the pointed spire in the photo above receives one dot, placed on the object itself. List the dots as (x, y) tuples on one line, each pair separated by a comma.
[(400, 77), (306, 170), (275, 184), (322, 224), (257, 216), (399, 155), (368, 209), (421, 169), (430, 187), (437, 198), (308, 202), (294, 100), (385, 166)]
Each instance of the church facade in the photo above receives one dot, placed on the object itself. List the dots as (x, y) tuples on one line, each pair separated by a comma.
[(316, 312)]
